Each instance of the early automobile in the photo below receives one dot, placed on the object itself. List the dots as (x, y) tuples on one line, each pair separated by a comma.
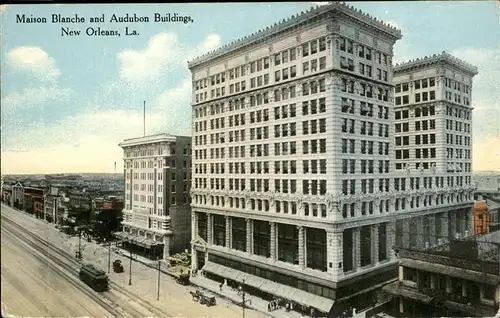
[(207, 299), (183, 279), (117, 266)]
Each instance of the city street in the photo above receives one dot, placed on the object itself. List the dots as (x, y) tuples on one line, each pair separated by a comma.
[(174, 298), (30, 288)]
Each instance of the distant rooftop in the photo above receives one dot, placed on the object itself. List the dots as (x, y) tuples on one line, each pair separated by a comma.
[(435, 59), (294, 21), (147, 139)]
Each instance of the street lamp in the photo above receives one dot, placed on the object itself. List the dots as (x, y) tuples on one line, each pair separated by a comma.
[(243, 295), (109, 256), (158, 293), (130, 269)]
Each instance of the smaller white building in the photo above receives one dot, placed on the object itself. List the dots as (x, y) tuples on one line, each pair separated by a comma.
[(156, 215)]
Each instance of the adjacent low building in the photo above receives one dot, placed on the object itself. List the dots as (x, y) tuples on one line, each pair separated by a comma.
[(157, 216), (459, 279), (34, 201)]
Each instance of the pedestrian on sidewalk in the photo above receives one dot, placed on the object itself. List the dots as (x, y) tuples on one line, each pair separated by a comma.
[(220, 286)]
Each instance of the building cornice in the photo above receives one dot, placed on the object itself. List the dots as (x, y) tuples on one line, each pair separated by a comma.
[(295, 21), (147, 140), (435, 60)]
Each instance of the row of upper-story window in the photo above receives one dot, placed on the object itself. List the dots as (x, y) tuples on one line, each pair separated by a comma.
[(365, 89), (458, 112), (405, 99), (419, 140), (452, 166), (419, 125), (171, 163), (422, 111), (349, 186), (261, 150), (454, 84), (457, 126), (365, 109), (459, 140), (365, 127), (151, 164), (313, 187), (362, 69), (454, 153), (310, 48), (414, 202), (457, 98), (419, 153), (128, 153), (283, 93), (319, 187), (347, 45), (149, 199), (365, 146), (365, 166), (418, 84), (239, 119)]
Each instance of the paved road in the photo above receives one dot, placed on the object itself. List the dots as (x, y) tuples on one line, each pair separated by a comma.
[(174, 298), (30, 288)]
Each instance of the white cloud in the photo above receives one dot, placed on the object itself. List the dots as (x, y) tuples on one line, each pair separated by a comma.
[(163, 53), (89, 140), (35, 62), (34, 97)]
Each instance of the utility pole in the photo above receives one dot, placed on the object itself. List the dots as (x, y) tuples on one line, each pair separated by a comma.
[(244, 301), (158, 294), (79, 242), (109, 256), (130, 269)]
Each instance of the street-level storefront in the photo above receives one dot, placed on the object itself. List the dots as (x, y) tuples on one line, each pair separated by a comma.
[(140, 245)]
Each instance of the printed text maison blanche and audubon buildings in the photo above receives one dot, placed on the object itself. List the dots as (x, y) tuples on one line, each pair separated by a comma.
[(101, 31)]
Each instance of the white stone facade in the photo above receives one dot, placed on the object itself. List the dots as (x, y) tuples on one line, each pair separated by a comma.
[(433, 148), (296, 128), (150, 186)]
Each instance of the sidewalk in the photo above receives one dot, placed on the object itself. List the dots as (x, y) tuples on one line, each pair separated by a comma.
[(174, 298), (230, 294)]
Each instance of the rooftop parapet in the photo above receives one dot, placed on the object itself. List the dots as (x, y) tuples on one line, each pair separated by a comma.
[(294, 20), (444, 57)]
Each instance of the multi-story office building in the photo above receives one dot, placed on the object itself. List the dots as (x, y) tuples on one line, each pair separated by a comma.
[(157, 216), (433, 150), (292, 158)]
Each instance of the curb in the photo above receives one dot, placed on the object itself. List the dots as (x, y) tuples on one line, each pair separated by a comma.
[(229, 299), (238, 303)]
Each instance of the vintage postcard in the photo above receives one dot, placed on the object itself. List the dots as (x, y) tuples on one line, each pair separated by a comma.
[(277, 159)]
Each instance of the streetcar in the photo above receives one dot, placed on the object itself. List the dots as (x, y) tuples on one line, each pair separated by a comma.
[(94, 277)]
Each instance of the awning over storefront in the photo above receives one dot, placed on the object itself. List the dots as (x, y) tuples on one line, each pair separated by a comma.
[(299, 296), (467, 274), (136, 239), (398, 289)]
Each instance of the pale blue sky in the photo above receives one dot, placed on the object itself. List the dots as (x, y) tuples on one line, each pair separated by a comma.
[(68, 101)]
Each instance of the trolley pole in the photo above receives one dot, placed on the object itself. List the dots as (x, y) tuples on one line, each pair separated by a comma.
[(130, 269), (109, 256), (244, 300), (158, 293), (79, 243)]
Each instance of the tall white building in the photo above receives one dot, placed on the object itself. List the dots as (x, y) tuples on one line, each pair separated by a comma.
[(433, 150), (292, 161), (156, 217)]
